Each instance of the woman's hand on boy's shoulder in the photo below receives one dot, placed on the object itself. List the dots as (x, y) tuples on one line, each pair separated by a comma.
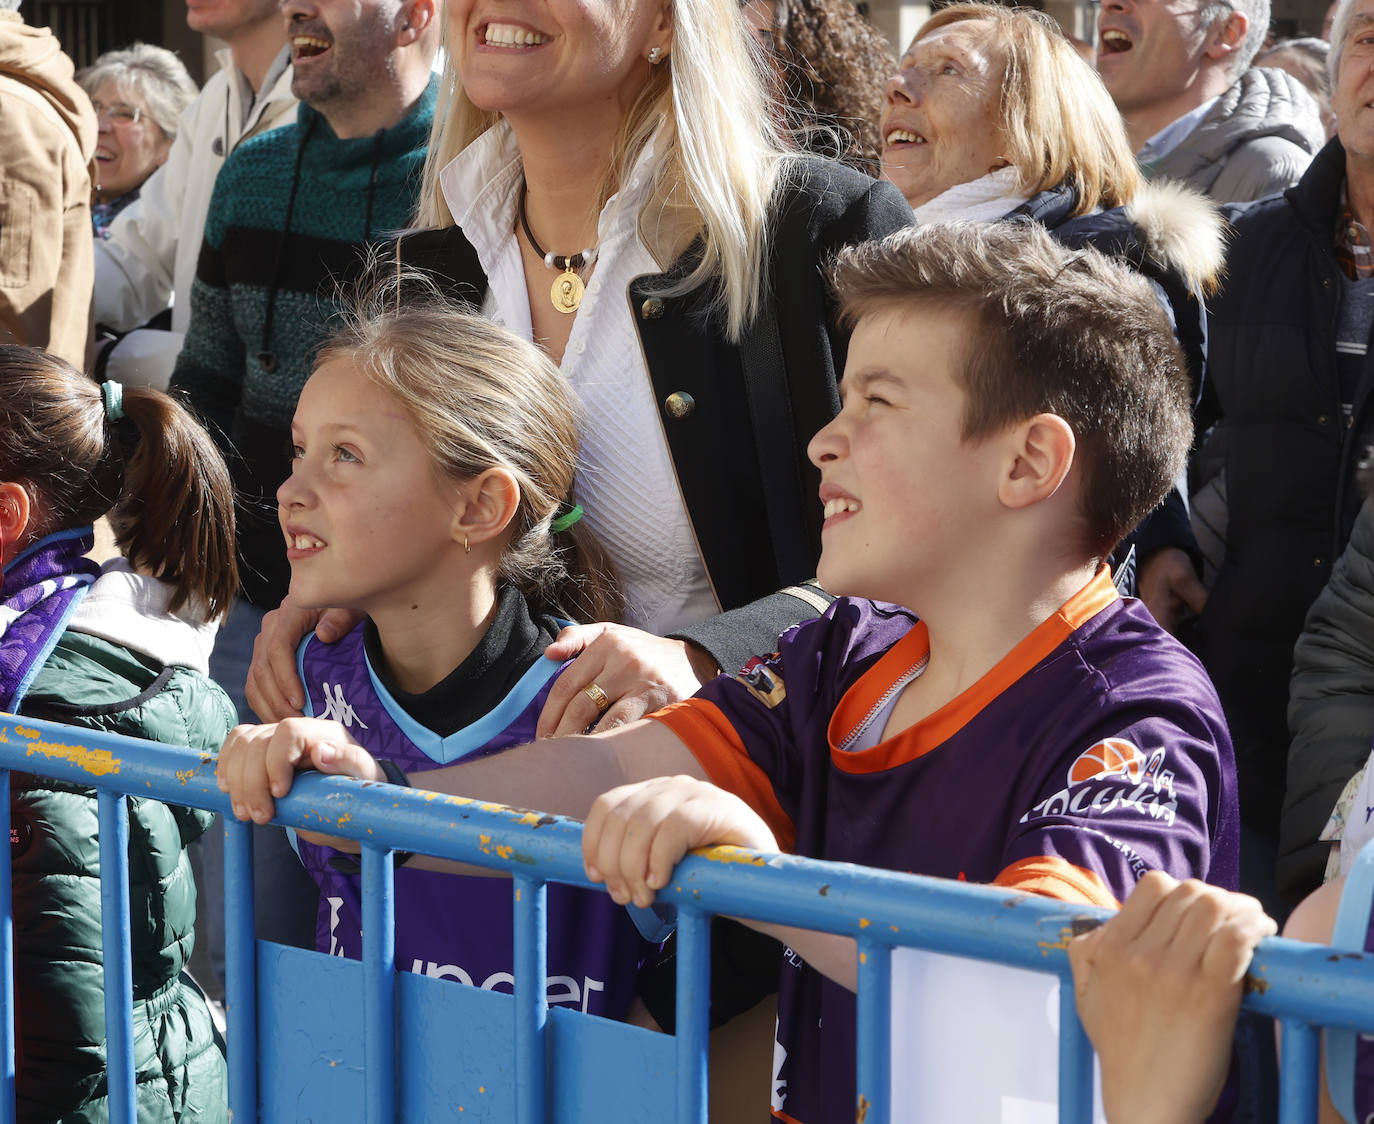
[(620, 675), (258, 764), (274, 689)]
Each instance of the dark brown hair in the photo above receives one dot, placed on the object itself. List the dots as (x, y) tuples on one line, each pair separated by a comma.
[(157, 475), (1050, 330), (833, 66)]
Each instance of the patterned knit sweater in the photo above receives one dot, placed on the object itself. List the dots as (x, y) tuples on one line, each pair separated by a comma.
[(291, 211)]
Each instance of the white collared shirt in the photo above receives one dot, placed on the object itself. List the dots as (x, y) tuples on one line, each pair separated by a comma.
[(626, 483)]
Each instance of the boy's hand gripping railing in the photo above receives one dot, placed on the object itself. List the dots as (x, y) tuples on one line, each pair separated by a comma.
[(1307, 986)]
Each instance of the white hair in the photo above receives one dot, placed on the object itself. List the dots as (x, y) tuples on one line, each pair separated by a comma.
[(1340, 27), (717, 159), (155, 74)]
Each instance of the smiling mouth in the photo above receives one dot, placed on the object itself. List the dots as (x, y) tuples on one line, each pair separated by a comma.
[(104, 154), (508, 35), (840, 506), (308, 46), (304, 542), (902, 136), (1114, 43)]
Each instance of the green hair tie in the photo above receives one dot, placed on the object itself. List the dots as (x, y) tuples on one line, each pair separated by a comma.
[(567, 519), (113, 394)]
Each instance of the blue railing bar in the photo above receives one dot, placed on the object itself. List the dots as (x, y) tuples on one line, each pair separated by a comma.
[(1075, 1060), (980, 922), (117, 950), (875, 1032), (693, 1015), (241, 968), (1299, 1069), (7, 1010), (531, 1001), (379, 984)]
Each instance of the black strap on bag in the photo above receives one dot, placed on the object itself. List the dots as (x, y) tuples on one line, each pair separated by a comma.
[(775, 440)]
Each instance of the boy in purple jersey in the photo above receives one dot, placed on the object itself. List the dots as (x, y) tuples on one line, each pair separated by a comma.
[(979, 703)]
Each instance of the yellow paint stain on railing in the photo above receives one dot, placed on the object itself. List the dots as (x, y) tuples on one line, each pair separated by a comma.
[(185, 775), (1062, 944), (864, 922), (505, 851), (345, 818), (97, 762), (728, 854)]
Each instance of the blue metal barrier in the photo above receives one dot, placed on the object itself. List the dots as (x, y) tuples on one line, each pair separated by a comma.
[(545, 1061)]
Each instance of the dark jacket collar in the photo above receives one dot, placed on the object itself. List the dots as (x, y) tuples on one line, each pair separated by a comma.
[(1316, 198)]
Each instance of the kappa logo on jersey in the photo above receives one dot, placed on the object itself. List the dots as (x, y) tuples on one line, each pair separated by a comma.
[(763, 682), (336, 708), (1112, 775)]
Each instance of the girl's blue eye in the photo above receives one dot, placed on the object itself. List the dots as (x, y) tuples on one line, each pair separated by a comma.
[(342, 454), (297, 451)]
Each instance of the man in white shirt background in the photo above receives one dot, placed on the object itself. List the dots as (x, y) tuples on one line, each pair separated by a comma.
[(149, 261)]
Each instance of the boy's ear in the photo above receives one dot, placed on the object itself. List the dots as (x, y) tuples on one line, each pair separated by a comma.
[(1041, 455), (486, 505), (15, 510)]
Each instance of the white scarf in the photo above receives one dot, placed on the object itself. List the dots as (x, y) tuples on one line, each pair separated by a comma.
[(981, 200)]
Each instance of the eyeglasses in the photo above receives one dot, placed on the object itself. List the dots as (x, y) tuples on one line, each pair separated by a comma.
[(119, 113)]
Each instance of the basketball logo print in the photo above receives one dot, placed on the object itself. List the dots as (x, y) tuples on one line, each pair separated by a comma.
[(1108, 758)]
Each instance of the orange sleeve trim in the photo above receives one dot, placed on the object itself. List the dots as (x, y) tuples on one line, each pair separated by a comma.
[(706, 732), (1053, 877), (778, 1114)]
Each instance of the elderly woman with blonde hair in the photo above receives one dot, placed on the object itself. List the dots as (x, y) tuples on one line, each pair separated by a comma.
[(994, 116)]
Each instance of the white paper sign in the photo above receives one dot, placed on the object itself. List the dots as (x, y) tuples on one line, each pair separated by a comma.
[(975, 1042)]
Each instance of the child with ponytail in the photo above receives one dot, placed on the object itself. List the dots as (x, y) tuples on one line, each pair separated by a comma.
[(431, 490), (122, 648)]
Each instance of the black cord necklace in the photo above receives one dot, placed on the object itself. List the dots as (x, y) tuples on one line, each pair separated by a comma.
[(567, 290)]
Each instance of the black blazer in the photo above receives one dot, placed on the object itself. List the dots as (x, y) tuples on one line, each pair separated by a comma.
[(698, 379)]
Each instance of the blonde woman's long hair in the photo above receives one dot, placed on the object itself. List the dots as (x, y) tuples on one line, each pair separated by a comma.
[(1059, 121), (717, 160)]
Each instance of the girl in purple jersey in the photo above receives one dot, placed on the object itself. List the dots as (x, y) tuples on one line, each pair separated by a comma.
[(434, 457)]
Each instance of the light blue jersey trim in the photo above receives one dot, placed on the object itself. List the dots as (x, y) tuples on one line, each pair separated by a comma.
[(1348, 934), (476, 736), (308, 710)]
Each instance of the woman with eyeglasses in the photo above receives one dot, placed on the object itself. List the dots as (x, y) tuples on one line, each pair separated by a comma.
[(138, 94)]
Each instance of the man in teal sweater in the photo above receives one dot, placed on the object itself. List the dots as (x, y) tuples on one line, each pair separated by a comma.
[(291, 213)]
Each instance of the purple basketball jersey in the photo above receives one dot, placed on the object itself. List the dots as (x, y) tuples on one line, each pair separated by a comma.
[(452, 926), (1094, 751)]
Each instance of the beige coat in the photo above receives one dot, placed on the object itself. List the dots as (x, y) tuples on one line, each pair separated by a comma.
[(47, 140)]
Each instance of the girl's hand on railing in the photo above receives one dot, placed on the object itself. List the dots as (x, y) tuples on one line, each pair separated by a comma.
[(1158, 988), (257, 764)]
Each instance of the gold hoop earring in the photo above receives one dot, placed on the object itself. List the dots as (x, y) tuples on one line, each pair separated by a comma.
[(466, 548)]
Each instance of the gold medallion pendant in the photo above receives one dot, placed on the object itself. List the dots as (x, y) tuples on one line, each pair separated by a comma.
[(566, 293)]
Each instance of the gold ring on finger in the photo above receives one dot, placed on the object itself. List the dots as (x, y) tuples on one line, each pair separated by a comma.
[(599, 698)]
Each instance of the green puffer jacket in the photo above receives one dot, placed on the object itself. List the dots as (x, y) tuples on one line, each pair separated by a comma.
[(55, 858)]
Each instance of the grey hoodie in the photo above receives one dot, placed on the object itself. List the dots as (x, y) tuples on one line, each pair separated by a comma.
[(1257, 139)]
